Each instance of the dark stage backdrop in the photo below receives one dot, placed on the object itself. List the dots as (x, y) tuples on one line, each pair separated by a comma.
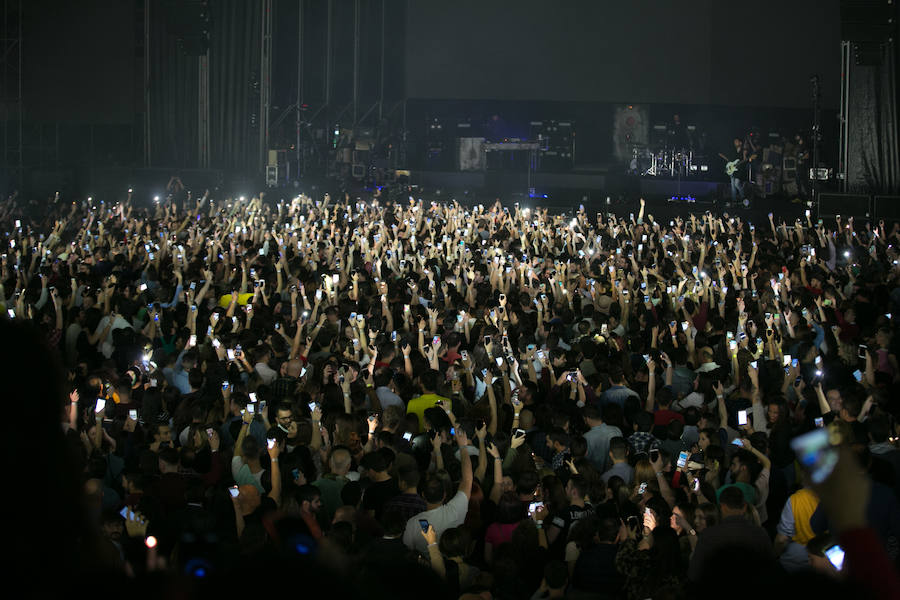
[(759, 53), (78, 61)]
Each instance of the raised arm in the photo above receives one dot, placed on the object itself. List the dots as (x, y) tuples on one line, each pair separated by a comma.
[(465, 482)]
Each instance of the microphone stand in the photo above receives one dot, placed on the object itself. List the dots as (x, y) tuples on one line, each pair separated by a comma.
[(816, 137)]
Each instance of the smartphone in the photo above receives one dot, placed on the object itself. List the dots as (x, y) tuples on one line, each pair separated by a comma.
[(682, 459), (835, 555), (520, 433), (795, 362), (230, 354), (642, 488), (233, 490), (499, 360), (654, 455), (132, 414), (270, 442), (126, 513), (312, 406), (533, 506), (742, 417), (251, 409), (816, 453), (225, 385), (754, 364), (192, 341), (101, 404), (423, 523), (407, 436), (393, 336), (857, 374), (863, 350), (209, 432), (436, 340), (787, 360), (487, 340), (696, 484), (820, 421)]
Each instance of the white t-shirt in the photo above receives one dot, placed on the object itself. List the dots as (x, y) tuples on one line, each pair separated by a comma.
[(441, 518), (243, 476), (265, 373), (107, 347)]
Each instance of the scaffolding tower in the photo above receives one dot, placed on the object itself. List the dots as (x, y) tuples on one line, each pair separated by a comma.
[(11, 155)]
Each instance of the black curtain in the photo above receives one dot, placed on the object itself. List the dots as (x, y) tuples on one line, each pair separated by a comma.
[(873, 164), (234, 66), (174, 83)]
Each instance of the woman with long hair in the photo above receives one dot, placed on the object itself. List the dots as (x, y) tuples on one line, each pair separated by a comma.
[(510, 511), (644, 473), (653, 562), (682, 523)]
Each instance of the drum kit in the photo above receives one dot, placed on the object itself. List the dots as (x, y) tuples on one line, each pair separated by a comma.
[(663, 162)]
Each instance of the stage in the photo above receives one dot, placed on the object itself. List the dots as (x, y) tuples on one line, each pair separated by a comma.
[(590, 182)]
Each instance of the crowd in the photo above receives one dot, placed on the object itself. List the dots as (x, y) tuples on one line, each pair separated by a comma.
[(396, 399)]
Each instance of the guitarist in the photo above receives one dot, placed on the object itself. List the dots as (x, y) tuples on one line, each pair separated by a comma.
[(735, 167)]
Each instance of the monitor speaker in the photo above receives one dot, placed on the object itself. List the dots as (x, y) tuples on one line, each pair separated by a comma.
[(846, 205)]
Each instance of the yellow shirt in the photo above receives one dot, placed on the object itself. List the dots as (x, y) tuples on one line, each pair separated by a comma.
[(225, 301), (418, 405), (803, 505)]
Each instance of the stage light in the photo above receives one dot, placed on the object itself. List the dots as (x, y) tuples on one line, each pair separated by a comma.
[(704, 168)]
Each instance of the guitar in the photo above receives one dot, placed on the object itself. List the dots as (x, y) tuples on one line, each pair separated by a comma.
[(735, 164)]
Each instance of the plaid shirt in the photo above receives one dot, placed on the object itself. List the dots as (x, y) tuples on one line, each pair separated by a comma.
[(642, 441), (559, 459), (284, 387)]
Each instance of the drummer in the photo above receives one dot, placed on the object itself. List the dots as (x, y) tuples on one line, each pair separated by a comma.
[(677, 138)]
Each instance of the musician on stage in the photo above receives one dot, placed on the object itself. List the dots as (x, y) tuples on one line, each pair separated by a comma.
[(737, 167), (677, 137)]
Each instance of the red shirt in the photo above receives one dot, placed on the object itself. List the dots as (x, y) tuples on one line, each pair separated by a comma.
[(664, 416), (498, 533)]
